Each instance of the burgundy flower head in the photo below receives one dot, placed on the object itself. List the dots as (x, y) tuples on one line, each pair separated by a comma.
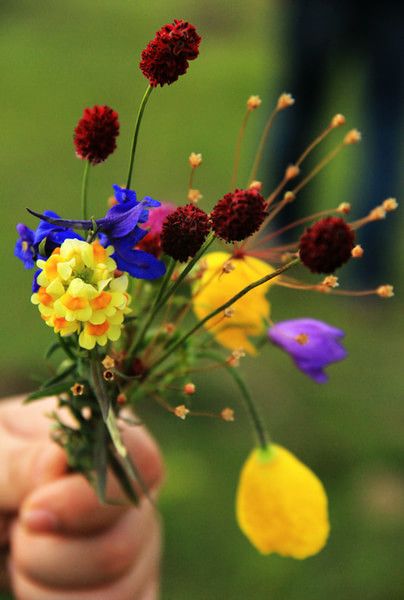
[(166, 56), (96, 133), (238, 215), (184, 232), (327, 245)]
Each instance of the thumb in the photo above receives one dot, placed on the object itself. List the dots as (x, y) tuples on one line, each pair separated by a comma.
[(28, 458)]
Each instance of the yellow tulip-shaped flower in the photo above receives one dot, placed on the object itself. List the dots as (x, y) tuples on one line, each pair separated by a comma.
[(281, 504), (216, 286)]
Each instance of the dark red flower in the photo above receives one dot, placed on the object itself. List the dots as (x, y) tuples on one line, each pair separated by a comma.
[(238, 215), (166, 56), (327, 245), (96, 133), (184, 232)]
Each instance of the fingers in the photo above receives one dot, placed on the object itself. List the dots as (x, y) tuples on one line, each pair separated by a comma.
[(91, 560), (69, 505)]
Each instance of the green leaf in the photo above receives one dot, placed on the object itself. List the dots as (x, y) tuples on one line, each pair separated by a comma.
[(51, 350), (52, 390), (100, 460), (59, 376)]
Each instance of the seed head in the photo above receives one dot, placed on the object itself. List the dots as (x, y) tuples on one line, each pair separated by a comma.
[(352, 137), (95, 134), (227, 414), (195, 160), (357, 251), (189, 389), (385, 291), (326, 245), (166, 56), (184, 232), (284, 101), (253, 102), (238, 215), (181, 411), (338, 120)]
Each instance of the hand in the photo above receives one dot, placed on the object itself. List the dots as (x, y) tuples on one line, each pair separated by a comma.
[(64, 544)]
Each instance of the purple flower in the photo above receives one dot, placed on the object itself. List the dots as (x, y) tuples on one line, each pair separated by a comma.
[(24, 249), (312, 344), (119, 227)]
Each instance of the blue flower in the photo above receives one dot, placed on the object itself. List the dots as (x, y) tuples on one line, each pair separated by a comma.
[(119, 227), (24, 249), (55, 235), (312, 344)]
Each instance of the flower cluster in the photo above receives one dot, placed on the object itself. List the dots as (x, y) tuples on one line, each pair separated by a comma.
[(81, 290), (79, 293)]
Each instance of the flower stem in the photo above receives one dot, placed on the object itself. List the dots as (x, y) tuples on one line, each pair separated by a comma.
[(261, 145), (221, 308), (134, 347), (251, 409), (136, 134), (84, 189)]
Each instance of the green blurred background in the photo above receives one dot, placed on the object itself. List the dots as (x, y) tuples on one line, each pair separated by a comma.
[(57, 57)]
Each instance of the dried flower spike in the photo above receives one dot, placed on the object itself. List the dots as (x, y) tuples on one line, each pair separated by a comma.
[(184, 232), (327, 245), (95, 134), (253, 102), (238, 215), (166, 56)]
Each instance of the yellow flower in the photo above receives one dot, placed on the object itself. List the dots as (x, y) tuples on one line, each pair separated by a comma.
[(281, 505), (80, 293), (223, 277)]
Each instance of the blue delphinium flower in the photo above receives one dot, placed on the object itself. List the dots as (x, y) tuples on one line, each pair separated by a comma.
[(24, 247), (311, 343), (120, 227)]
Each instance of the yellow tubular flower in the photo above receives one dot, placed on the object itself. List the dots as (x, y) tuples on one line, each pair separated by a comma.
[(281, 505), (80, 293), (223, 277)]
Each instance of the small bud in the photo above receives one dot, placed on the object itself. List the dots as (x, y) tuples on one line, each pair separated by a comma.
[(169, 328), (390, 204), (194, 196), (291, 172), (181, 411), (86, 413), (330, 281), (377, 214), (255, 185), (284, 101), (337, 120), (289, 197), (234, 358), (121, 399), (385, 291), (227, 414), (253, 102), (357, 251), (108, 362), (228, 267), (195, 160), (189, 389), (352, 137), (77, 389), (229, 312), (344, 208), (108, 375)]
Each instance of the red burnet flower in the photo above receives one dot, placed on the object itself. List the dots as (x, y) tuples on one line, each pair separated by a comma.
[(184, 232), (166, 56), (327, 245), (95, 134), (238, 215)]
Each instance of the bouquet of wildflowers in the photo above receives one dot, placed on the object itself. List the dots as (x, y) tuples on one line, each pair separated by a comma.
[(127, 294)]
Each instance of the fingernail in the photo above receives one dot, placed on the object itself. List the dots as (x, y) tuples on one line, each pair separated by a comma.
[(39, 519)]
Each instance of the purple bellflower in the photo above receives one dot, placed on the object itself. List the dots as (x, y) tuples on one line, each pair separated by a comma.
[(120, 227), (312, 345)]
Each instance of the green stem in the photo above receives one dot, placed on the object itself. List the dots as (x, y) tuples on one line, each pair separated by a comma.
[(256, 420), (84, 188), (209, 240), (137, 341), (136, 134), (221, 308)]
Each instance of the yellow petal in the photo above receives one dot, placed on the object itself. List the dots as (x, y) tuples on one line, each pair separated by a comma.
[(215, 288), (281, 504)]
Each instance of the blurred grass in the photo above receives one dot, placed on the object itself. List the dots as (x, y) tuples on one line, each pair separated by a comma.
[(56, 58)]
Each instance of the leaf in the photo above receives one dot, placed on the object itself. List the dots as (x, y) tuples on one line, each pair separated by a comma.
[(51, 350), (100, 460), (52, 390), (59, 377)]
